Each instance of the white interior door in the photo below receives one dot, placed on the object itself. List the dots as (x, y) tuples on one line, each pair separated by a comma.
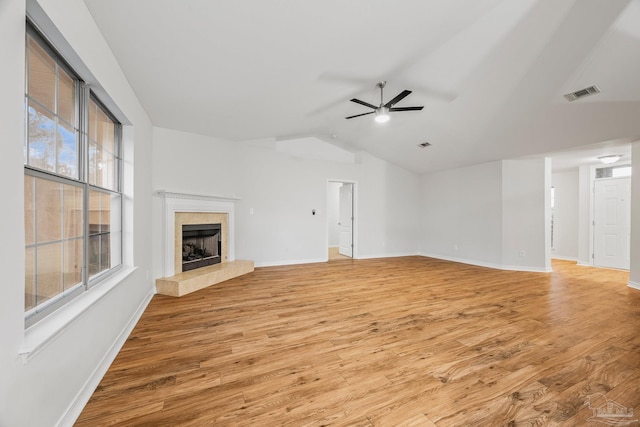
[(345, 220), (612, 225)]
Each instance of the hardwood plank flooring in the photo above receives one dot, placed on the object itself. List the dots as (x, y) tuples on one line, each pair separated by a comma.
[(409, 341), (335, 255)]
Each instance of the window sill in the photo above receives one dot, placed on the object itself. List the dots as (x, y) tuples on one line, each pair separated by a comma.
[(38, 336)]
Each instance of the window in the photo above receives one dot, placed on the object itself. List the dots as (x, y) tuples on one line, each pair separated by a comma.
[(73, 200), (613, 172)]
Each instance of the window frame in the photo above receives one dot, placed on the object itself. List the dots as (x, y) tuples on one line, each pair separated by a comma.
[(82, 99), (608, 171)]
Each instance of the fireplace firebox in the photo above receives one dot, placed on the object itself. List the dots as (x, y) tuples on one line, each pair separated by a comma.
[(201, 245)]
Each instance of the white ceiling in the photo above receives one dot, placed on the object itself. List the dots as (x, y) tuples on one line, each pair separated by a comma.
[(490, 73)]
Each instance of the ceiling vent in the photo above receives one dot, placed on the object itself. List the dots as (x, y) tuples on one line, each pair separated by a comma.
[(424, 145), (591, 90)]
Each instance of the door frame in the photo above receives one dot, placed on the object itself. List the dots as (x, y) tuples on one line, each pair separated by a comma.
[(593, 216), (354, 230), (592, 207)]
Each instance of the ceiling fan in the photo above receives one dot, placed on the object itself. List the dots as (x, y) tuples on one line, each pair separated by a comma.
[(382, 111)]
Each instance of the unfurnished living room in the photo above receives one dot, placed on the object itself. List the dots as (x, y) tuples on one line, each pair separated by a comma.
[(336, 213)]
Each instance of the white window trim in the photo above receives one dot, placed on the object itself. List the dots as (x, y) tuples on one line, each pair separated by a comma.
[(43, 332), (83, 100)]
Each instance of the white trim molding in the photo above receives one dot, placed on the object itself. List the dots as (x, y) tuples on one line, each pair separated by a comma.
[(73, 411), (48, 329), (634, 285), (565, 258), (184, 202), (290, 262), (188, 196), (391, 255), (489, 264)]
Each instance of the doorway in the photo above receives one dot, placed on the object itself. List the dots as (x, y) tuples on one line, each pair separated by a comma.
[(341, 220), (612, 223)]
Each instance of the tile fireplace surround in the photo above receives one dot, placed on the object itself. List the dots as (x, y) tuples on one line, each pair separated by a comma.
[(187, 218), (183, 208)]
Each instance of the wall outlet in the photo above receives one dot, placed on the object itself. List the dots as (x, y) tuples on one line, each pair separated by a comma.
[(455, 247), (522, 253)]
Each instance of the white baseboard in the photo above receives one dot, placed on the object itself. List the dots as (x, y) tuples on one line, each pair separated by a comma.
[(316, 260), (290, 262), (394, 255), (565, 258), (526, 269), (462, 260), (77, 405), (488, 264), (634, 285)]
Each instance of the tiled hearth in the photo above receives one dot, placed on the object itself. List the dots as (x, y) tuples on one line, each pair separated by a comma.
[(180, 209), (194, 280)]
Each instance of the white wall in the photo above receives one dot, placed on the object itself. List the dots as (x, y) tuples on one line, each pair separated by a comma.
[(585, 207), (402, 191), (12, 29), (634, 267), (525, 227), (387, 207), (52, 385), (283, 190), (333, 213), (565, 223), (488, 214), (462, 214)]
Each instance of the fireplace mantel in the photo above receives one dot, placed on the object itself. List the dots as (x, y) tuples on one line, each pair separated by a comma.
[(189, 196), (174, 202)]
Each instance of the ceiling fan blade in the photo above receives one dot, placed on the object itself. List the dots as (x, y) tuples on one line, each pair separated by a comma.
[(366, 104), (398, 98), (406, 108), (358, 115)]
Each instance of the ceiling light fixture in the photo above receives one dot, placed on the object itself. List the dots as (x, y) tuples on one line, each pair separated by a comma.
[(612, 158), (382, 112), (382, 115)]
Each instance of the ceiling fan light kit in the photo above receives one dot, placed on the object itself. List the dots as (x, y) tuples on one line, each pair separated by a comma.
[(382, 115), (382, 111)]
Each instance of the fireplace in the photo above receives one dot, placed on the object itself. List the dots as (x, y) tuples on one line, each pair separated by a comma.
[(187, 209), (201, 245)]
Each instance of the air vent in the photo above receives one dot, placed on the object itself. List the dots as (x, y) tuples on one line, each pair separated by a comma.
[(591, 90), (424, 145)]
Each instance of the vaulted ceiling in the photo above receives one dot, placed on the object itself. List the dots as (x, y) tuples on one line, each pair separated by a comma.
[(490, 73)]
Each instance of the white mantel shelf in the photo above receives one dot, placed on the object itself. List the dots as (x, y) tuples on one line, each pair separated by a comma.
[(189, 196)]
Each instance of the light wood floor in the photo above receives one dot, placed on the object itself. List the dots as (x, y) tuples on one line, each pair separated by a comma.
[(334, 255), (406, 341)]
